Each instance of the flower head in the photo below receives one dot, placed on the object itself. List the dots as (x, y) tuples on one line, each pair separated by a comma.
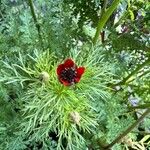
[(68, 72)]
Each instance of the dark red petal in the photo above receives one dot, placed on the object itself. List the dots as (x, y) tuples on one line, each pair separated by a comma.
[(66, 83), (69, 63), (80, 71), (60, 68), (77, 79)]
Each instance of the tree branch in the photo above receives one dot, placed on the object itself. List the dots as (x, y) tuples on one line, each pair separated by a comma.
[(129, 129), (104, 18)]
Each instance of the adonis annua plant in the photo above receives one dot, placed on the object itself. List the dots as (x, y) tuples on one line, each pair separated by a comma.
[(61, 96)]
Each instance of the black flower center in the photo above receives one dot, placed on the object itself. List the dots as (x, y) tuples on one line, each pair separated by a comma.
[(68, 74)]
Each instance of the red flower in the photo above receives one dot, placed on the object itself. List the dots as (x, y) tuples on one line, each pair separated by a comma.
[(68, 72)]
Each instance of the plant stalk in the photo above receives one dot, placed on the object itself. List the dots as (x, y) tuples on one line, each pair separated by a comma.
[(104, 6), (125, 14), (104, 18), (35, 20), (133, 73), (128, 130), (143, 106)]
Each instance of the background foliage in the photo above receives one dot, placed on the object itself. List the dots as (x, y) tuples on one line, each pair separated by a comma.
[(113, 93)]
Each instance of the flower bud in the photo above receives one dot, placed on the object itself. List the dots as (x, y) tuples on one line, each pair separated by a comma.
[(44, 76), (75, 117)]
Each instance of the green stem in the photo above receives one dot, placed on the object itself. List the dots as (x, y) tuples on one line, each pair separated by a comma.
[(143, 106), (104, 6), (125, 14), (146, 72), (35, 20), (133, 73), (128, 130), (104, 18), (141, 132)]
